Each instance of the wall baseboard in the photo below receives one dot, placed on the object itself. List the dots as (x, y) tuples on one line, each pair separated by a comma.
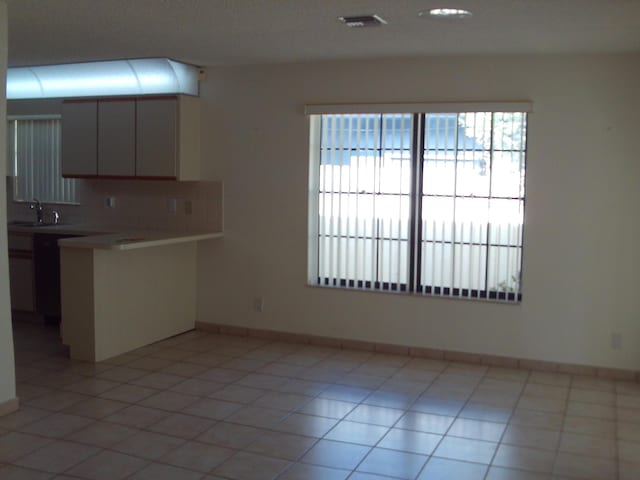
[(9, 406), (421, 352)]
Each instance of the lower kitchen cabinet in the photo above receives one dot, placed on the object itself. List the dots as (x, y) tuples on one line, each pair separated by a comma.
[(22, 282)]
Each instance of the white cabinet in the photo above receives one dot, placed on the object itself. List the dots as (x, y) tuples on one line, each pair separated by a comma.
[(144, 137), (80, 138), (117, 138)]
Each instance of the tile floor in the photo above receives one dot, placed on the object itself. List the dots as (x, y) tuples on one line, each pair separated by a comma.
[(204, 406)]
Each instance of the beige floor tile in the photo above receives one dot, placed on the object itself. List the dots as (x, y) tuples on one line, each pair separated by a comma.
[(128, 393), (353, 432), (524, 458), (168, 400), (148, 445), (501, 473), (198, 387), (592, 410), (325, 407), (542, 404), (282, 401), (12, 472), (108, 466), (157, 471), (183, 426), (628, 401), (301, 471), (57, 400), (198, 456), (338, 455), (91, 386), (375, 415), (249, 466), (122, 374), (628, 471), (629, 452), (26, 392), (238, 394), (22, 417), (95, 407), (137, 417), (257, 416), (629, 431), (57, 456), (259, 380), (410, 441), (489, 413), (158, 380), (533, 418), (590, 426), (593, 383), (587, 445), (538, 390), (580, 466), (346, 393), (281, 445), (230, 435), (394, 463), (592, 396), (57, 425), (149, 363), (102, 434), (438, 406), (525, 436), (212, 409), (307, 425), (447, 469), (466, 449), (425, 422), (15, 445), (477, 429), (302, 387)]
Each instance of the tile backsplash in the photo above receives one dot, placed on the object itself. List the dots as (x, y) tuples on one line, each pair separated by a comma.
[(137, 204)]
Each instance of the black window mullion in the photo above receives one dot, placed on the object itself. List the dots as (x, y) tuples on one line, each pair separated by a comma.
[(415, 214)]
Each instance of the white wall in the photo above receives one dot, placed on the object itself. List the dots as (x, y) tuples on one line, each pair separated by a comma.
[(7, 370), (581, 229)]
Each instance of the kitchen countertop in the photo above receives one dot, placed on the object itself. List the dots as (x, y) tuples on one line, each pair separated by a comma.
[(130, 240), (97, 237)]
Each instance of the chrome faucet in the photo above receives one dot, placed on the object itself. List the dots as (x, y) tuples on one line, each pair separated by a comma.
[(37, 206)]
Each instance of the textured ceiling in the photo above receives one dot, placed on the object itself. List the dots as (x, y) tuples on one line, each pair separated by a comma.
[(219, 32)]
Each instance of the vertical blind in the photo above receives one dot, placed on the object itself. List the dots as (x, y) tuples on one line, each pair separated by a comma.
[(426, 203), (35, 154)]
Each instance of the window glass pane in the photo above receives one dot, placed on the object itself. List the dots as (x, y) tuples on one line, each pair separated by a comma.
[(507, 175), (37, 157)]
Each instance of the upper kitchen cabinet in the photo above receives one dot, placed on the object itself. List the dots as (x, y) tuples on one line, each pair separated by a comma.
[(143, 137), (117, 138), (168, 137), (80, 138)]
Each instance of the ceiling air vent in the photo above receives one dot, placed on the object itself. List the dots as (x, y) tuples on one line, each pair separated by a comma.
[(361, 21)]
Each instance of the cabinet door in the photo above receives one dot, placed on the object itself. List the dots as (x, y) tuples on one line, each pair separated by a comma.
[(117, 138), (156, 137), (21, 281), (80, 138)]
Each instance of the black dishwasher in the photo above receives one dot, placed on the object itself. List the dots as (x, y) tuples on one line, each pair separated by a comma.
[(46, 258)]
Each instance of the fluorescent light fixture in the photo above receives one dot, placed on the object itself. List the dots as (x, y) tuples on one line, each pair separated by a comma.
[(445, 13), (146, 76)]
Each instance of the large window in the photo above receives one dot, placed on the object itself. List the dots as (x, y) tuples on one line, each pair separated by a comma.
[(428, 203), (34, 158)]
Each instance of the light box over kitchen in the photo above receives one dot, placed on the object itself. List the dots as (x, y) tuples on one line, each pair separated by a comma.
[(147, 76)]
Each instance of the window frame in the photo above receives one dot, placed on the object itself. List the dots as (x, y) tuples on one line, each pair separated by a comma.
[(414, 285)]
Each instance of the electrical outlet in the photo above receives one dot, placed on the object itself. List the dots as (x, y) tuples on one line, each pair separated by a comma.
[(172, 205), (110, 202), (258, 304), (616, 341)]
